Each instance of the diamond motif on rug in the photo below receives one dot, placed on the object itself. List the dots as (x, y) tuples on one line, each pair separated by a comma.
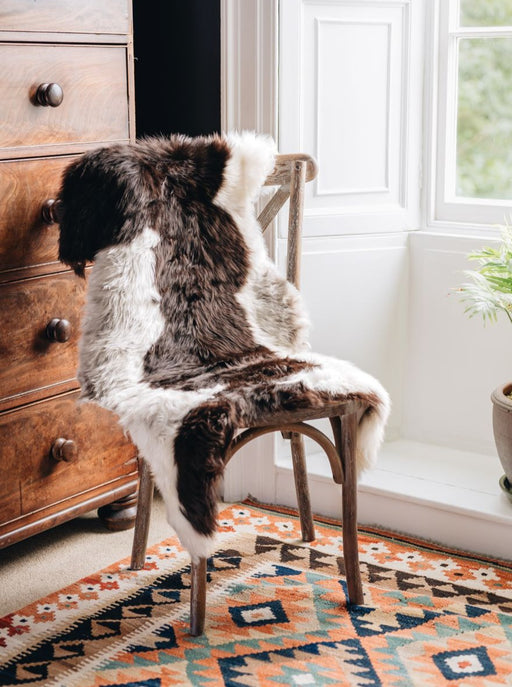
[(455, 665), (258, 614)]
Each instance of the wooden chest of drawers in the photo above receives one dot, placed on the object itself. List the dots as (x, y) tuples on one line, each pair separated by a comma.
[(66, 85)]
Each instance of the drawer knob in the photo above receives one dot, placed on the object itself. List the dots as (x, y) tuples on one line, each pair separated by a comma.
[(64, 449), (58, 330), (50, 211), (49, 94)]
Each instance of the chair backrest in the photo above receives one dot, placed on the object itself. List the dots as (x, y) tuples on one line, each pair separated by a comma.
[(140, 210), (291, 172)]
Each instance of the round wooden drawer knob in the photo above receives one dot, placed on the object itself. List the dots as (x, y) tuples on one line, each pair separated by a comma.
[(64, 449), (50, 211), (58, 330), (49, 95)]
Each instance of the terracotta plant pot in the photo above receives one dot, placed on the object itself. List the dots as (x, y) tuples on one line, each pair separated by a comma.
[(502, 426)]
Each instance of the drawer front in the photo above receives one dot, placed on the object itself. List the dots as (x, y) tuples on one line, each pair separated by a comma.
[(29, 361), (85, 16), (10, 499), (94, 107), (25, 240), (27, 435)]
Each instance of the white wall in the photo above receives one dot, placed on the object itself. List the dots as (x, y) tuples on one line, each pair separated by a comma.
[(454, 362), (350, 94), (350, 78), (355, 289)]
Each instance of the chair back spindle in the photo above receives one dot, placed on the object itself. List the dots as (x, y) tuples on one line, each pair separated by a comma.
[(291, 172), (297, 184)]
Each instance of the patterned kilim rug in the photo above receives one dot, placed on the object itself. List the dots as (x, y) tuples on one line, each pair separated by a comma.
[(276, 615)]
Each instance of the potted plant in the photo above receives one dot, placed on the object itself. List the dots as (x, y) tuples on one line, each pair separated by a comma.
[(488, 293)]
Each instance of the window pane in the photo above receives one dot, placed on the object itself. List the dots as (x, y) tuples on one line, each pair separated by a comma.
[(484, 118), (485, 12)]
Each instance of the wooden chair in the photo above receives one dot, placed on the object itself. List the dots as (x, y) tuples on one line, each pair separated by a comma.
[(290, 175)]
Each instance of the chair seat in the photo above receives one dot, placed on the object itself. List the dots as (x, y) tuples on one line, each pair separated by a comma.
[(328, 409), (269, 389)]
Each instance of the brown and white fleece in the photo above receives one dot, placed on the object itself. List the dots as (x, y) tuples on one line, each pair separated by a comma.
[(189, 332)]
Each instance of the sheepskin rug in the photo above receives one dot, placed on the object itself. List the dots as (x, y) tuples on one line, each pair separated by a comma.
[(189, 332)]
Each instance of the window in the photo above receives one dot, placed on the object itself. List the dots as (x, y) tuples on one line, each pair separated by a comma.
[(473, 178)]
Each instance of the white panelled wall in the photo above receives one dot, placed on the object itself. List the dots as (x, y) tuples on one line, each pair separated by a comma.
[(378, 286)]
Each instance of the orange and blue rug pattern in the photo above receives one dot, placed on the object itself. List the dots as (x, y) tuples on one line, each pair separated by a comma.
[(277, 614)]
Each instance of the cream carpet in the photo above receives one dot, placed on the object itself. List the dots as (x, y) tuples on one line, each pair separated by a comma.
[(46, 562)]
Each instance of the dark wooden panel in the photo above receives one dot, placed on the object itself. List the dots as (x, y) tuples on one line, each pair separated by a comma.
[(10, 499), (86, 48), (85, 16), (25, 240), (95, 103), (28, 434), (29, 361), (25, 526)]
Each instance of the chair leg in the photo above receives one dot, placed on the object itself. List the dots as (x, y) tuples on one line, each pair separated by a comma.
[(301, 487), (197, 597), (350, 547), (145, 499)]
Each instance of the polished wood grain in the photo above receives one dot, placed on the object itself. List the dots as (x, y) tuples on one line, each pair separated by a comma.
[(273, 206), (300, 476), (64, 449), (85, 16), (10, 501), (67, 38), (92, 78), (295, 217), (198, 596), (288, 173), (49, 95), (102, 455), (131, 89), (119, 515), (51, 211), (58, 330), (51, 515), (66, 78), (30, 362), (346, 429), (28, 245), (289, 428), (140, 536), (281, 174)]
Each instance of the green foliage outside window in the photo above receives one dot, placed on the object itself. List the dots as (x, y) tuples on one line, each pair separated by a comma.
[(484, 115), (485, 12)]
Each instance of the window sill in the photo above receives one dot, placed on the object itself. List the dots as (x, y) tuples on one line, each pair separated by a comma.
[(442, 494), (450, 479)]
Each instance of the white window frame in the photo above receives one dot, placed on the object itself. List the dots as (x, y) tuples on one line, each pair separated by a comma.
[(444, 209)]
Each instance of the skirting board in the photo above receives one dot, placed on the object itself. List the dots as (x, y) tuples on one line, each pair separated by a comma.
[(445, 495)]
